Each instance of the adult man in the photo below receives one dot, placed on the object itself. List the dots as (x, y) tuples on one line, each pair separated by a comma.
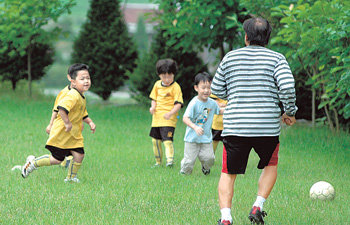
[(254, 80)]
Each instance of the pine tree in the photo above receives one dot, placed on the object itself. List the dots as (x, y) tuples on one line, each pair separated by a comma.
[(106, 46), (145, 75)]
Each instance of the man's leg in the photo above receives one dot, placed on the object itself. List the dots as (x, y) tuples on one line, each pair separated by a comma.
[(225, 189), (267, 180)]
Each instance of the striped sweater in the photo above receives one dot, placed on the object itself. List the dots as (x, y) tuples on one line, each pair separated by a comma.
[(254, 80)]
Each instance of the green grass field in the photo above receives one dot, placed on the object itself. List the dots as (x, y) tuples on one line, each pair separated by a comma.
[(118, 185)]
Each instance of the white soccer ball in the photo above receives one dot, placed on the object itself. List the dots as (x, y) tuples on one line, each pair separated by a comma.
[(322, 190), (30, 158)]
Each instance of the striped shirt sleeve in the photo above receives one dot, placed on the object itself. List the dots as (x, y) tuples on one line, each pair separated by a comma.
[(218, 86)]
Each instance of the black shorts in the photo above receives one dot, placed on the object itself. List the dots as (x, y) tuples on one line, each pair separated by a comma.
[(162, 133), (217, 135), (236, 152), (59, 153)]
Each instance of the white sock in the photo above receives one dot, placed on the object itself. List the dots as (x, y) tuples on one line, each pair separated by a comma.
[(259, 202), (226, 214)]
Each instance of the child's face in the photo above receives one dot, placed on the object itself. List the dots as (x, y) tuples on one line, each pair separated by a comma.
[(167, 78), (203, 90), (82, 82)]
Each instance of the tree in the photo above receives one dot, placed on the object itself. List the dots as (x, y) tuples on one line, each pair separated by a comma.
[(141, 37), (317, 39), (203, 23), (145, 74), (13, 65), (21, 24), (105, 45)]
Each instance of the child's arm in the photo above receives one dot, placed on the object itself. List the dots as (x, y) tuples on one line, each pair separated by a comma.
[(152, 110), (174, 110), (53, 117), (91, 124), (65, 119), (222, 110), (188, 122)]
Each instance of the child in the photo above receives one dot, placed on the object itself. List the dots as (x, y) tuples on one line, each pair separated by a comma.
[(167, 100), (217, 126), (63, 92), (66, 134), (199, 117)]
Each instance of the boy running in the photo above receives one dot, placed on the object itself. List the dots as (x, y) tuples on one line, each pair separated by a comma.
[(66, 134), (167, 100)]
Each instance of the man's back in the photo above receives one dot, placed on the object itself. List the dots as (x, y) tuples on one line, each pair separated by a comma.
[(254, 80)]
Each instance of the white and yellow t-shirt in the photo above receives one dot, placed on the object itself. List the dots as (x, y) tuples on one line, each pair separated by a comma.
[(74, 103), (218, 119), (166, 98)]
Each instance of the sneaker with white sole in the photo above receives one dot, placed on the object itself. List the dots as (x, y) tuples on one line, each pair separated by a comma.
[(205, 171), (169, 164), (74, 180), (27, 168)]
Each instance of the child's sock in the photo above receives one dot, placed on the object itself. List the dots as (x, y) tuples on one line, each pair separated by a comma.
[(259, 202), (43, 160), (169, 151), (157, 150), (215, 145), (226, 214), (73, 170)]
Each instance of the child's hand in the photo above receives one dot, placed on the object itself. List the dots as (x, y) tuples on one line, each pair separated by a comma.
[(92, 127), (152, 110), (167, 116), (199, 130), (48, 129), (289, 120), (68, 126)]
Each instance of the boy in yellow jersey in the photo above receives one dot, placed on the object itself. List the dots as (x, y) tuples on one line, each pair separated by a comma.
[(66, 134), (218, 125), (167, 100), (61, 94)]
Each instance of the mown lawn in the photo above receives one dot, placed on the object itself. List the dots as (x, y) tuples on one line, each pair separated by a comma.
[(118, 185)]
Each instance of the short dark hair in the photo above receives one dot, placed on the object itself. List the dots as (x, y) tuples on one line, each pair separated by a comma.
[(166, 66), (204, 76), (73, 69), (258, 31)]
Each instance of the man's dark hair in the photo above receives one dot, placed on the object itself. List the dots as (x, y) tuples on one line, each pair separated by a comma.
[(258, 31), (204, 76), (166, 66), (73, 69)]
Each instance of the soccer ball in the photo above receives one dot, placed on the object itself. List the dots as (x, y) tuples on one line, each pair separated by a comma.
[(30, 158), (322, 190)]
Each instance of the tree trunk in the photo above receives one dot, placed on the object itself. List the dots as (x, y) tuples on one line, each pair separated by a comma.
[(29, 66), (14, 82), (313, 105), (329, 119), (222, 50), (337, 127)]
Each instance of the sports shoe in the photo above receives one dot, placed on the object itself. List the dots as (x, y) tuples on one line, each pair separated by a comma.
[(205, 171), (74, 180), (224, 222), (256, 216), (169, 164), (27, 168), (156, 166)]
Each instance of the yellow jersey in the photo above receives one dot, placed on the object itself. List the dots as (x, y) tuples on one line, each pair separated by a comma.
[(166, 98), (74, 103), (218, 119), (60, 95)]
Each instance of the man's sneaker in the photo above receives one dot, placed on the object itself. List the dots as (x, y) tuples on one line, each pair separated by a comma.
[(256, 216), (224, 222), (74, 180), (27, 168), (205, 171), (169, 164)]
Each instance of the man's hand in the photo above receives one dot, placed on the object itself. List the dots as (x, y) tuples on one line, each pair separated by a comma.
[(289, 120)]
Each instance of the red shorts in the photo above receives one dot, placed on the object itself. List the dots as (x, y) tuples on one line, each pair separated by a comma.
[(236, 152)]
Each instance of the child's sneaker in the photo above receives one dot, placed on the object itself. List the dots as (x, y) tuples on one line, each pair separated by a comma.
[(74, 180), (156, 166), (224, 222), (27, 168), (256, 216), (169, 164), (205, 171)]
